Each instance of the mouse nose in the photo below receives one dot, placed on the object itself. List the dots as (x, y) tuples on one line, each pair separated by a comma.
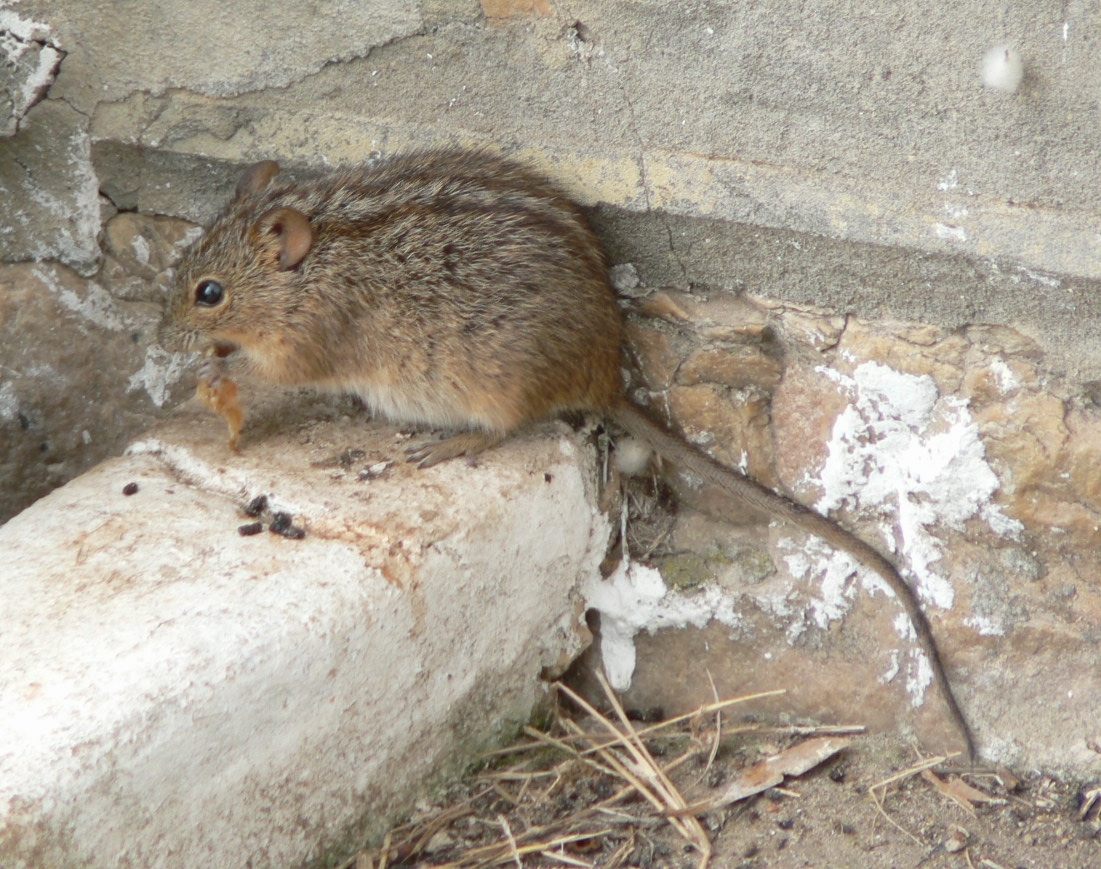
[(170, 336)]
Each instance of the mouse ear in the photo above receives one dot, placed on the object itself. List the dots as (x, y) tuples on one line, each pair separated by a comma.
[(257, 177), (286, 233)]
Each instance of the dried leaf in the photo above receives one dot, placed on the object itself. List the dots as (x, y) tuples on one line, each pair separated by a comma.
[(770, 772), (959, 791)]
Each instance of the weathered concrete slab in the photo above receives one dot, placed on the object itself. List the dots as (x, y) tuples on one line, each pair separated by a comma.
[(30, 62), (176, 694)]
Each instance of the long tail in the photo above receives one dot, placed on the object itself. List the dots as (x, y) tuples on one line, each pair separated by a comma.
[(761, 498)]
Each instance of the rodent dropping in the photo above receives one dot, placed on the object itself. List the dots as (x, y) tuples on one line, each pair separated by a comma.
[(452, 290)]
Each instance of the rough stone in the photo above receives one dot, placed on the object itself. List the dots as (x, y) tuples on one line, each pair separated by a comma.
[(985, 495), (887, 171), (139, 255), (158, 182), (730, 423), (80, 372), (48, 190), (736, 367)]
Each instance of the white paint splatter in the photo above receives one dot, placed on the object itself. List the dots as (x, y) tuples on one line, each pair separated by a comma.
[(899, 445), (1046, 280), (97, 306), (949, 182), (1004, 377), (9, 402), (1003, 69), (837, 587), (986, 626), (18, 36), (949, 232), (1003, 525), (635, 598), (160, 371), (919, 677), (76, 213), (187, 238), (893, 668), (141, 249)]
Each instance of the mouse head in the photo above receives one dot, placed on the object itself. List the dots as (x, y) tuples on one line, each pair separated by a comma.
[(235, 286)]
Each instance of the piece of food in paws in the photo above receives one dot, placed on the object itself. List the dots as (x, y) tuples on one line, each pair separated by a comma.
[(221, 397)]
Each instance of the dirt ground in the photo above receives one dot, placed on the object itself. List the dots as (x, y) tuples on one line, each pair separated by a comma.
[(869, 805)]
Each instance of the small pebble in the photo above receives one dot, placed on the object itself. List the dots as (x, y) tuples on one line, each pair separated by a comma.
[(130, 489), (283, 525), (374, 471), (625, 280), (632, 456), (957, 840)]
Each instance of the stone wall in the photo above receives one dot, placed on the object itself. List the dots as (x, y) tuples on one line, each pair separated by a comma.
[(831, 198)]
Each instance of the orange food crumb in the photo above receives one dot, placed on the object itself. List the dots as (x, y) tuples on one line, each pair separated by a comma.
[(224, 401)]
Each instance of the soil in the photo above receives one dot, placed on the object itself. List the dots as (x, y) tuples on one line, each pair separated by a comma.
[(835, 816)]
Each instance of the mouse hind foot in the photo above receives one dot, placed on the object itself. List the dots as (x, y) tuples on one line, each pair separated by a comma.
[(467, 444)]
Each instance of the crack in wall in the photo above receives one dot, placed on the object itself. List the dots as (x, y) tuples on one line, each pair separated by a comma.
[(646, 192)]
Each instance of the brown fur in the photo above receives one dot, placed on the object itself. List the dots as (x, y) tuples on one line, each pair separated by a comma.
[(450, 289)]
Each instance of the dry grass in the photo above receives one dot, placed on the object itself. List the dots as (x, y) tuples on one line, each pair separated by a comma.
[(597, 791)]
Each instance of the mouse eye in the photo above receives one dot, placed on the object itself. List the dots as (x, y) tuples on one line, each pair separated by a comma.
[(209, 293)]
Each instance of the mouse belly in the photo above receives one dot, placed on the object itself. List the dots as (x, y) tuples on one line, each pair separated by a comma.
[(435, 408)]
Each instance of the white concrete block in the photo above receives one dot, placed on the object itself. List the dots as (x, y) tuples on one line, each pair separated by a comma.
[(176, 694)]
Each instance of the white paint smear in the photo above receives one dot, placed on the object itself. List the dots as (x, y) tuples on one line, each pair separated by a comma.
[(9, 402), (96, 306), (949, 232), (987, 627), (1003, 375), (19, 35), (160, 371), (634, 598), (900, 448)]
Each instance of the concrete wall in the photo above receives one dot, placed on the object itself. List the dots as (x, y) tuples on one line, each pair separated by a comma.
[(840, 169), (835, 156)]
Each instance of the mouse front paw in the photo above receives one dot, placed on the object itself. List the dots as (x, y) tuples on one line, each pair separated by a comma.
[(211, 371)]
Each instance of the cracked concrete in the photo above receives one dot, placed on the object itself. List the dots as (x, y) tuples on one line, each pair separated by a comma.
[(711, 120), (717, 126)]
